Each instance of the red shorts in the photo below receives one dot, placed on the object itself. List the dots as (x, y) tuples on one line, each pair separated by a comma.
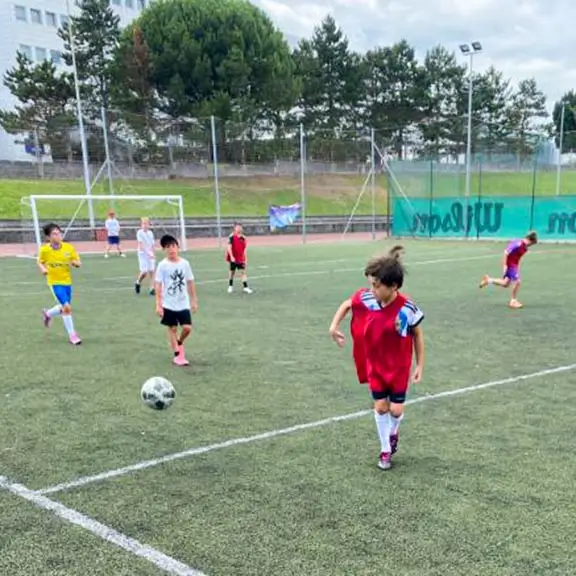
[(360, 362), (394, 389)]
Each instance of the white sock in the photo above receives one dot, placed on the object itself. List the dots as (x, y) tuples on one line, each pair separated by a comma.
[(68, 323), (394, 423), (55, 311), (383, 427)]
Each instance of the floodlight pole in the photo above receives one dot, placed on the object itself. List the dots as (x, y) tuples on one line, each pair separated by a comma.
[(469, 129), (560, 146), (86, 168)]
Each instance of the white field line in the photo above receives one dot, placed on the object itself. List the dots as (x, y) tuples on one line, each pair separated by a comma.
[(270, 276), (285, 431), (160, 560)]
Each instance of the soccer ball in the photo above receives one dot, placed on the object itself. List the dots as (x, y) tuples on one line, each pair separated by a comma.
[(158, 393)]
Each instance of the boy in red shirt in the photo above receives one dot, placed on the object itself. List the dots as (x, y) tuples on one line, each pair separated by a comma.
[(236, 257), (390, 335)]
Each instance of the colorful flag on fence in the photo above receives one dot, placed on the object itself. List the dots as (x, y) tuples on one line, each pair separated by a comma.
[(282, 216)]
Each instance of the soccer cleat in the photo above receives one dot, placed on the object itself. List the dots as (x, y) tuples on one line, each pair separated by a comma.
[(384, 461), (180, 360), (515, 304), (394, 443), (47, 319), (122, 255), (248, 290), (137, 288), (75, 340), (230, 289), (484, 281)]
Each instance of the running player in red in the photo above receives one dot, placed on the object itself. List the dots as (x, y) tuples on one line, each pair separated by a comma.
[(511, 263), (236, 257)]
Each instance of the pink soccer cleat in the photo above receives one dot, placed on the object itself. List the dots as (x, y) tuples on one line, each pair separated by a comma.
[(384, 461), (47, 319), (180, 360), (75, 339)]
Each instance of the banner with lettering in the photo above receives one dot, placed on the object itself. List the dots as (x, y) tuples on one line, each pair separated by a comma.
[(554, 218), (282, 216)]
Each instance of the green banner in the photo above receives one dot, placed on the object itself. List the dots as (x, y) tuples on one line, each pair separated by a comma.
[(554, 218)]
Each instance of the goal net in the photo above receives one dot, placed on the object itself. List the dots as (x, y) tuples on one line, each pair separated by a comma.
[(82, 219)]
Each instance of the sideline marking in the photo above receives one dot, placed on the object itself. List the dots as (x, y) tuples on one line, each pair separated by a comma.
[(284, 431), (159, 559)]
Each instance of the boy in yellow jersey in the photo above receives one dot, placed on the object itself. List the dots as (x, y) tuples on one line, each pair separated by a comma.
[(55, 260)]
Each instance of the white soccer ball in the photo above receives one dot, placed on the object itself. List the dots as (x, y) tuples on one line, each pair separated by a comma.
[(158, 393)]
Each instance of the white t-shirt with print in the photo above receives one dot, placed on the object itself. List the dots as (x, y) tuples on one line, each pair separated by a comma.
[(174, 277), (146, 239), (112, 227)]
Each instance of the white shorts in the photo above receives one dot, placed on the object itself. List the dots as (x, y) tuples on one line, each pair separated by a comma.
[(146, 263)]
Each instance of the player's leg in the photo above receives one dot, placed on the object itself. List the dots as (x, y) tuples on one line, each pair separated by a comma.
[(397, 399), (185, 321), (108, 246), (231, 275), (514, 296), (151, 267), (143, 268), (383, 424), (245, 287), (170, 320), (49, 313), (64, 296), (502, 282)]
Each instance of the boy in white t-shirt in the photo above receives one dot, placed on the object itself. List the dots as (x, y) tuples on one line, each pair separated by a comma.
[(146, 255), (176, 298), (112, 226)]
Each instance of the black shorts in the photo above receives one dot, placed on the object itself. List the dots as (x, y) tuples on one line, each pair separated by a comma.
[(172, 318), (114, 240), (237, 266)]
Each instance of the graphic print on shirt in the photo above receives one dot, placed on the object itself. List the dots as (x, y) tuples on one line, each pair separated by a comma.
[(177, 283)]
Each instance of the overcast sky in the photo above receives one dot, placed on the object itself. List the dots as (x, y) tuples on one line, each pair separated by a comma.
[(523, 38)]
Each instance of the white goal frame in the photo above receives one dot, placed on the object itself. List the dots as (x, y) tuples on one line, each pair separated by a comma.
[(32, 203)]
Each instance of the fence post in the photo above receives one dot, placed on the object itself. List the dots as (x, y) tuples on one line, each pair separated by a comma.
[(480, 175), (373, 181), (216, 180), (560, 146), (388, 207), (431, 197), (303, 182), (534, 175)]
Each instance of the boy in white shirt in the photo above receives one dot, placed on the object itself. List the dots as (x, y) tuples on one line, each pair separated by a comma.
[(112, 226), (176, 298), (146, 255)]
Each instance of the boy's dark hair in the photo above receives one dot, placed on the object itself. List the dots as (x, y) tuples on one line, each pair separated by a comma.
[(388, 270), (49, 228), (168, 240), (532, 236)]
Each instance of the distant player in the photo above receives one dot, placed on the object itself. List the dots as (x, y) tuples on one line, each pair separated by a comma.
[(511, 264), (55, 260), (146, 255), (236, 257), (112, 226), (390, 336), (176, 298)]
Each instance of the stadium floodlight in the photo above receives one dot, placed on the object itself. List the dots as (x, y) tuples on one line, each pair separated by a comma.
[(469, 50)]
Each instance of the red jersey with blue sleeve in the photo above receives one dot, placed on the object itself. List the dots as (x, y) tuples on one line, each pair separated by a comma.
[(362, 304), (514, 252), (389, 343)]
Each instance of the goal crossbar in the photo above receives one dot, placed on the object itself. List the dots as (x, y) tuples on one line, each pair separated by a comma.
[(34, 199)]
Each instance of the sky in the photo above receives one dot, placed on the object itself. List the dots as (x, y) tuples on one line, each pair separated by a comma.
[(522, 38)]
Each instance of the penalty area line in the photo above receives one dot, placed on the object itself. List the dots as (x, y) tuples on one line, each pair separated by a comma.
[(159, 559), (103, 476)]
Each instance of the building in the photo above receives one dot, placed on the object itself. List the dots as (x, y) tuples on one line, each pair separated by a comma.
[(31, 27)]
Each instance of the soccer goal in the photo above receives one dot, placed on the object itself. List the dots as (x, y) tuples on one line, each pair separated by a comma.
[(82, 219)]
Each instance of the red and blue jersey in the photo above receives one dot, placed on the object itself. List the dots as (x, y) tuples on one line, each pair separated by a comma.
[(514, 252)]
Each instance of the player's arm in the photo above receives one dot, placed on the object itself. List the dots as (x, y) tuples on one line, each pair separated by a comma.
[(229, 250), (341, 313), (418, 335), (42, 262), (158, 291), (191, 285), (75, 259)]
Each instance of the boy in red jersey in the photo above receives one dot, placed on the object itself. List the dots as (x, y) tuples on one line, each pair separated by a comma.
[(511, 264), (391, 333), (236, 257)]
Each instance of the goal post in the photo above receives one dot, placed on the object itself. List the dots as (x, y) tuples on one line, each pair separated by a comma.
[(71, 213)]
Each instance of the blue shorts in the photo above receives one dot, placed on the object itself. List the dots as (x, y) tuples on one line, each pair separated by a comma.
[(62, 293), (113, 240), (512, 273)]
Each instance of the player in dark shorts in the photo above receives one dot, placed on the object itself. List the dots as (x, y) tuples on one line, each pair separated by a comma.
[(236, 258)]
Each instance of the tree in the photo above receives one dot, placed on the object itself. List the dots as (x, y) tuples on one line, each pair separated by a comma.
[(444, 82), (525, 114), (396, 92), (45, 105), (569, 102), (96, 32)]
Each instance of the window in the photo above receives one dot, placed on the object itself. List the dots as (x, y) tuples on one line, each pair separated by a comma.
[(129, 3), (20, 12), (63, 20), (27, 51), (35, 16), (51, 19), (56, 56), (41, 54)]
